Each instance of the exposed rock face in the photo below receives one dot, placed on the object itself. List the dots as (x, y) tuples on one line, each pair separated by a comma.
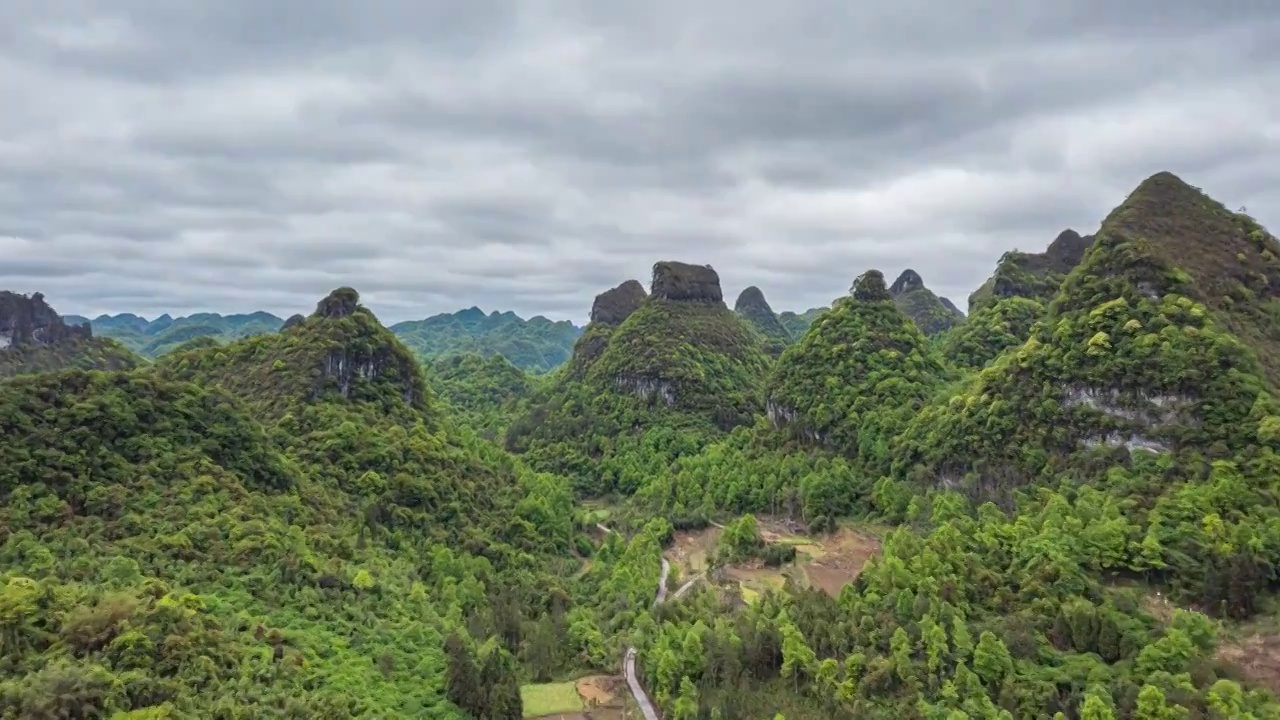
[(1036, 275), (753, 308), (339, 303), (869, 287), (1067, 250), (293, 321), (30, 321), (613, 306), (687, 283), (909, 280), (946, 302)]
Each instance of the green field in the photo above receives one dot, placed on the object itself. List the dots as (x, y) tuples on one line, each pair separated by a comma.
[(550, 698)]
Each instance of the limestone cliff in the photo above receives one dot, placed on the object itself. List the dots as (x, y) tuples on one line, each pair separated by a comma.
[(30, 321), (753, 308), (928, 311), (1033, 275), (34, 338), (613, 306), (687, 283)]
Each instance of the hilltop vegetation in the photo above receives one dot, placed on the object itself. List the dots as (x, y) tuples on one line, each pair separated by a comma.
[(1071, 500)]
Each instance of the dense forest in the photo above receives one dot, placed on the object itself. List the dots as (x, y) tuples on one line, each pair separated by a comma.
[(1064, 504)]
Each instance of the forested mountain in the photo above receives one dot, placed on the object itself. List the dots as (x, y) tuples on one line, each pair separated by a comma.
[(1017, 294), (153, 338), (753, 308), (796, 323), (1066, 505), (536, 344), (1033, 275), (675, 364), (930, 313), (34, 339)]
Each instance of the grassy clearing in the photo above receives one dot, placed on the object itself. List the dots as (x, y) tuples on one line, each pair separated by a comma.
[(550, 698)]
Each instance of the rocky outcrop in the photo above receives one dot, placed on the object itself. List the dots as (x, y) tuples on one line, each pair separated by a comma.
[(339, 303), (343, 365), (908, 281), (293, 321), (782, 416), (686, 283), (753, 308), (30, 321), (611, 307), (1033, 275), (870, 287), (928, 311), (946, 302), (644, 387), (1067, 250)]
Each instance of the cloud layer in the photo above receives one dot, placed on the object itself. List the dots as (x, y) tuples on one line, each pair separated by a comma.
[(527, 154)]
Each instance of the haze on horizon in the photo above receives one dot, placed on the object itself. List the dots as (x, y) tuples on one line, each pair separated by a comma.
[(233, 156)]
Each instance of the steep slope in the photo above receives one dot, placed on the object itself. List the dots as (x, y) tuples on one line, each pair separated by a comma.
[(609, 310), (153, 338), (1137, 352), (666, 370), (485, 394), (990, 330), (1033, 275), (929, 312), (684, 348), (1017, 294), (536, 344), (208, 537), (33, 339), (340, 350), (856, 375), (753, 308)]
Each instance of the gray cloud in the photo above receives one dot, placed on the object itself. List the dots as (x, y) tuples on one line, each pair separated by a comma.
[(234, 156)]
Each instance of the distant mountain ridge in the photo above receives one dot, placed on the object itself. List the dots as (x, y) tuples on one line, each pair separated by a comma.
[(537, 344), (153, 338)]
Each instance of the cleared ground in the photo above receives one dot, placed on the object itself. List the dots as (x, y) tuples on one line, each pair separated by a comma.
[(596, 697), (1252, 648), (550, 699), (826, 563)]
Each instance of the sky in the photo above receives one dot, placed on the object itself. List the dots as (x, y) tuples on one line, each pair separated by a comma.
[(237, 155)]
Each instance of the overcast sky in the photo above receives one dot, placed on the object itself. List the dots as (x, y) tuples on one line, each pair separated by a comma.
[(234, 155)]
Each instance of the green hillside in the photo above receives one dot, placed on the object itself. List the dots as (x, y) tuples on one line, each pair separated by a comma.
[(859, 371), (1065, 505)]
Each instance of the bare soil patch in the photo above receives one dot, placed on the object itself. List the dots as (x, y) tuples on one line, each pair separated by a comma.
[(826, 563), (1257, 657), (839, 559), (600, 690)]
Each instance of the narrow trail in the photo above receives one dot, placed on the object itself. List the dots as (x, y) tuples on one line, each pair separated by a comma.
[(646, 705)]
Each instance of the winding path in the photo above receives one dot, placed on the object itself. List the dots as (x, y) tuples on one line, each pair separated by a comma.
[(646, 705)]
